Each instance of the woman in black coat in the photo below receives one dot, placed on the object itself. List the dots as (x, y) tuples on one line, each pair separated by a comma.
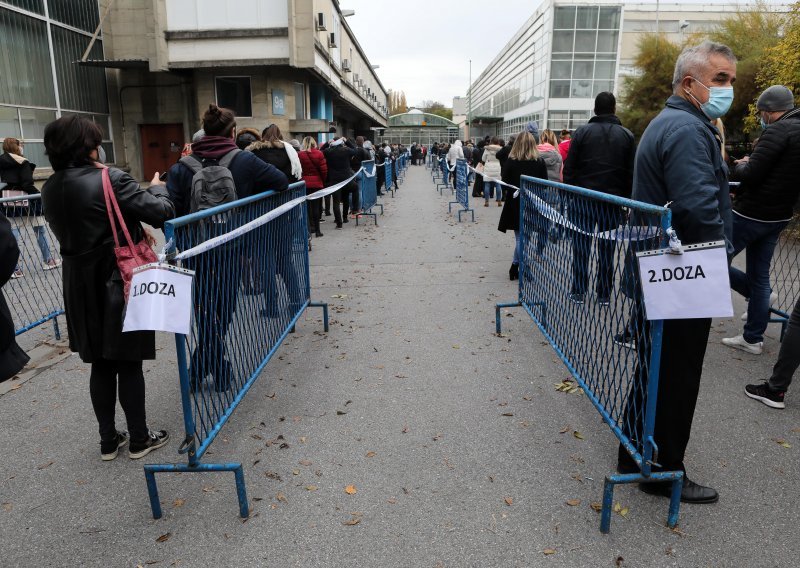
[(12, 358), (523, 160), (338, 155), (93, 289)]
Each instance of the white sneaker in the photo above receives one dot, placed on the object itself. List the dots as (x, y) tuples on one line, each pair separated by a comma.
[(773, 297), (739, 342)]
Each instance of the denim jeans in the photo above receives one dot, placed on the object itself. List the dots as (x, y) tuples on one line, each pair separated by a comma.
[(759, 240), (41, 240), (489, 188), (591, 216), (516, 248)]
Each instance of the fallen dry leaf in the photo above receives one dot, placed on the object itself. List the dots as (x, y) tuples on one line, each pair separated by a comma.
[(507, 414), (782, 442), (178, 502), (304, 462), (311, 487), (509, 501), (350, 489), (564, 430), (597, 506), (578, 435), (7, 507), (624, 512), (370, 454), (392, 501), (548, 551), (45, 465), (164, 537), (573, 502), (456, 347), (281, 497), (351, 522)]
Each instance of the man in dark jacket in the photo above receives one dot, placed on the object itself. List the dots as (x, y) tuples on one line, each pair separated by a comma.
[(600, 158), (477, 156), (679, 162), (338, 155), (12, 358), (763, 207)]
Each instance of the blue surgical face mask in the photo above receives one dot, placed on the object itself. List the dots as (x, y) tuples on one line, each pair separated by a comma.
[(101, 155), (764, 124), (718, 103)]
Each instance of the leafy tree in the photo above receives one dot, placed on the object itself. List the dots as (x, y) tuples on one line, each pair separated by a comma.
[(780, 64), (397, 102), (750, 33), (437, 108), (644, 95)]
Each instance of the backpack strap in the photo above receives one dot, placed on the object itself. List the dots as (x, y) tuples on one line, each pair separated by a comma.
[(192, 163), (226, 160)]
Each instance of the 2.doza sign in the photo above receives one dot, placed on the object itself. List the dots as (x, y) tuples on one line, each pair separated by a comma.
[(160, 299), (691, 285)]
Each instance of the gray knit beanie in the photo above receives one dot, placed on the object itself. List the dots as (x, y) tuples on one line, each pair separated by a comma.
[(775, 98)]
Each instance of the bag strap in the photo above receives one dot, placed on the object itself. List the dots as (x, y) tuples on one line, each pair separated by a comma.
[(111, 201), (226, 160), (192, 163)]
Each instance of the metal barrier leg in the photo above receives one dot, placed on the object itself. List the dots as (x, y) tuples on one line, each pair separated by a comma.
[(675, 501), (497, 319), (57, 331), (324, 307), (241, 492), (152, 490), (608, 503)]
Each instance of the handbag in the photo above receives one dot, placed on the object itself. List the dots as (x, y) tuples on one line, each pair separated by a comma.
[(130, 256)]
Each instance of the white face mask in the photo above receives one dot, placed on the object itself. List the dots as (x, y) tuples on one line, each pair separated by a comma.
[(101, 155)]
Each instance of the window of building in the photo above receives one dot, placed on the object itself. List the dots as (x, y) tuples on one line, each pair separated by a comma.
[(564, 18), (609, 18), (234, 93), (559, 89), (586, 18), (299, 101)]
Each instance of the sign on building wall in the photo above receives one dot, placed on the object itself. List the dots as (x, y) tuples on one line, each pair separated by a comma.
[(278, 102)]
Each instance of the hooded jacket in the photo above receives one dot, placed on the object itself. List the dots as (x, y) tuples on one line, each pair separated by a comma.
[(679, 163), (491, 166), (276, 153), (250, 174), (601, 156), (770, 188), (456, 152), (552, 159), (17, 172)]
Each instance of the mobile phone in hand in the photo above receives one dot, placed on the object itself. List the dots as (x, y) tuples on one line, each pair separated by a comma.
[(163, 177)]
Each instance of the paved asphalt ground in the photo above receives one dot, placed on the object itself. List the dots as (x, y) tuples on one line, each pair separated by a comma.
[(450, 435)]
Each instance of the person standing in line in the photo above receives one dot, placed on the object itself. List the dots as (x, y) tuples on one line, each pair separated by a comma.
[(315, 173), (338, 155), (491, 169), (361, 155), (12, 358), (552, 159), (455, 153), (563, 146), (477, 156), (600, 158), (273, 150), (763, 208), (94, 299), (16, 172), (380, 169), (679, 162), (245, 137), (523, 160)]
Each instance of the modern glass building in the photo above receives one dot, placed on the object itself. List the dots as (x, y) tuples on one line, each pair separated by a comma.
[(422, 127), (566, 53), (40, 43)]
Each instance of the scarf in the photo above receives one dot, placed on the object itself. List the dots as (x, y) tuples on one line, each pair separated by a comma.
[(297, 169)]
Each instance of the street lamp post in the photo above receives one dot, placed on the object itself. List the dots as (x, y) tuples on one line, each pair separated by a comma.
[(469, 103)]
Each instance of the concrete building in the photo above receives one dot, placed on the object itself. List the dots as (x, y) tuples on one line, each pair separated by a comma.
[(567, 52), (158, 64), (417, 126)]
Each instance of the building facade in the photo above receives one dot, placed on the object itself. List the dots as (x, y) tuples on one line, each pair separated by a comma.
[(569, 51), (420, 127), (39, 40), (156, 66)]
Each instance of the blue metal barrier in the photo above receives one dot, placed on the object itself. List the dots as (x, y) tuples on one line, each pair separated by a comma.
[(34, 294), (249, 292), (387, 172), (785, 274), (444, 181), (368, 186), (603, 338), (462, 189)]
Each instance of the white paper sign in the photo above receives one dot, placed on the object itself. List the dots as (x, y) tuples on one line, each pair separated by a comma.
[(691, 285), (160, 299)]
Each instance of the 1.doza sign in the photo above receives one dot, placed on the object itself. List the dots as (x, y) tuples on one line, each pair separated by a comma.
[(160, 299), (691, 285)]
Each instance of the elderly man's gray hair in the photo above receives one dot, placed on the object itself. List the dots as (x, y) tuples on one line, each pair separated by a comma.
[(692, 59)]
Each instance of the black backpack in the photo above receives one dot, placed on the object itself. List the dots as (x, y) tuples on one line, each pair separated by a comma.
[(212, 184)]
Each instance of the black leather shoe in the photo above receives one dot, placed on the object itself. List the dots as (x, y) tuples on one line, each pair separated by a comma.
[(691, 492), (513, 272)]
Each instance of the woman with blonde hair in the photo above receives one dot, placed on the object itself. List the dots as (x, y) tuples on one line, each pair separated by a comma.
[(315, 173), (524, 160)]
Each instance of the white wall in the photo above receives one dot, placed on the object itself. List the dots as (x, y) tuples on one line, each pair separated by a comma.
[(184, 15)]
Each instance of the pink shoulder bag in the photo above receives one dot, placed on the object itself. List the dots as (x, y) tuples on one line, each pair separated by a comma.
[(130, 256)]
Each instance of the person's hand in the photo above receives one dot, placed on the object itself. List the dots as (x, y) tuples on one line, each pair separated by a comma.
[(156, 179), (149, 238), (744, 160)]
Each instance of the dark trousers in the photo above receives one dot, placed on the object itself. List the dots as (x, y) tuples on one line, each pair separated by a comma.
[(337, 206), (380, 177), (314, 214), (327, 199), (587, 216), (789, 356), (103, 385), (683, 349), (355, 196), (477, 187)]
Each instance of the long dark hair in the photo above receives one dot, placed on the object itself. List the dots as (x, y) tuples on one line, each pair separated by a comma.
[(70, 140)]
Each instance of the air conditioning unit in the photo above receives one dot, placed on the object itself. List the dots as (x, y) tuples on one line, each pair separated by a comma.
[(346, 65), (332, 40), (321, 22), (355, 78)]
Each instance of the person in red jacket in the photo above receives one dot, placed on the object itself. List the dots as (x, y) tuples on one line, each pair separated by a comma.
[(563, 146), (315, 173)]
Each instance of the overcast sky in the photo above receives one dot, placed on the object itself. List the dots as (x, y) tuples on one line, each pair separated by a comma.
[(402, 35)]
